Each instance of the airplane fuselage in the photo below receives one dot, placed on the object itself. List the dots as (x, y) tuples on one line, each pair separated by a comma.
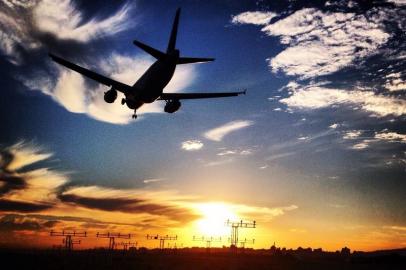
[(150, 86)]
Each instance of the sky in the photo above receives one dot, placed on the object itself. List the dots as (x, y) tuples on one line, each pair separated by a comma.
[(315, 152)]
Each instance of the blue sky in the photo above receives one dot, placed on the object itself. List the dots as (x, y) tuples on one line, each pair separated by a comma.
[(320, 134)]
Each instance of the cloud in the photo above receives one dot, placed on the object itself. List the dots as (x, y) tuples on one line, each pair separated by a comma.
[(253, 17), (321, 42), (334, 126), (28, 191), (131, 205), (133, 201), (24, 25), (397, 2), (379, 137), (153, 180), (218, 133), (65, 21), (395, 82), (303, 138), (265, 214), (237, 151), (317, 97), (362, 145), (21, 155), (22, 206), (18, 223), (353, 134), (390, 136), (192, 145)]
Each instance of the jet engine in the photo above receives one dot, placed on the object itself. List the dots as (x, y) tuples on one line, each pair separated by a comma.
[(172, 106), (110, 96)]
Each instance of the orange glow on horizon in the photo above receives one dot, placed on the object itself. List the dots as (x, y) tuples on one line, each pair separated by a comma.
[(214, 215)]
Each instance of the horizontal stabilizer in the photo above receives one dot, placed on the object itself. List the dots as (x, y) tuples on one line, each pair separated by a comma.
[(178, 96), (154, 52), (190, 60)]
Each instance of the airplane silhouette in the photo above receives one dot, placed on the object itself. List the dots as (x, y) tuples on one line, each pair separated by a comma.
[(151, 84)]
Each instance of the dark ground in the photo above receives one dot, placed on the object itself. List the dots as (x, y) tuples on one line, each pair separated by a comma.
[(194, 259)]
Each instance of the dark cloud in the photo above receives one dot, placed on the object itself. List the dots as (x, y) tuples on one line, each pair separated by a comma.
[(10, 183), (14, 222), (25, 207), (107, 204), (129, 206)]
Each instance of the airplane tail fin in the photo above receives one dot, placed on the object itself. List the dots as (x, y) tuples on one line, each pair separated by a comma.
[(174, 32), (171, 47)]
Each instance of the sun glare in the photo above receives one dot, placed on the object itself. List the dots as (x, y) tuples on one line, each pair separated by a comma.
[(214, 216)]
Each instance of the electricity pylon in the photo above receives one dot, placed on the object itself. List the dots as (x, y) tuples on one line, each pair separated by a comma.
[(112, 238), (162, 239), (206, 239), (234, 229), (68, 240)]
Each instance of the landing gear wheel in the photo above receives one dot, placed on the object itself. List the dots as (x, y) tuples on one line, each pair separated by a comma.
[(134, 115), (123, 101)]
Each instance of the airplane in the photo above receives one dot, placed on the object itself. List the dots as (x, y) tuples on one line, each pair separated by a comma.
[(149, 87)]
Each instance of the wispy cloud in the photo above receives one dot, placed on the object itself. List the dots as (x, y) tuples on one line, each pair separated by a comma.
[(265, 214), (65, 21), (237, 151), (218, 133), (153, 180), (192, 145), (24, 24), (26, 191)]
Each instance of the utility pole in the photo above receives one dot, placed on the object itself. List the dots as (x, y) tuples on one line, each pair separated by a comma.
[(68, 240), (234, 230), (112, 238), (208, 240), (162, 239)]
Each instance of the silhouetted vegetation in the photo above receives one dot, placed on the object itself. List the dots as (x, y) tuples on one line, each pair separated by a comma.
[(201, 258)]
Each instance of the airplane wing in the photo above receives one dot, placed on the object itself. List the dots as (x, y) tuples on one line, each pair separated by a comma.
[(124, 88), (178, 96)]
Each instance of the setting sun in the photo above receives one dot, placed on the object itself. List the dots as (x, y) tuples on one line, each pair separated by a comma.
[(214, 216)]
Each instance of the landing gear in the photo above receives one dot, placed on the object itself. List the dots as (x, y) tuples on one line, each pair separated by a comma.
[(123, 101), (135, 115)]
